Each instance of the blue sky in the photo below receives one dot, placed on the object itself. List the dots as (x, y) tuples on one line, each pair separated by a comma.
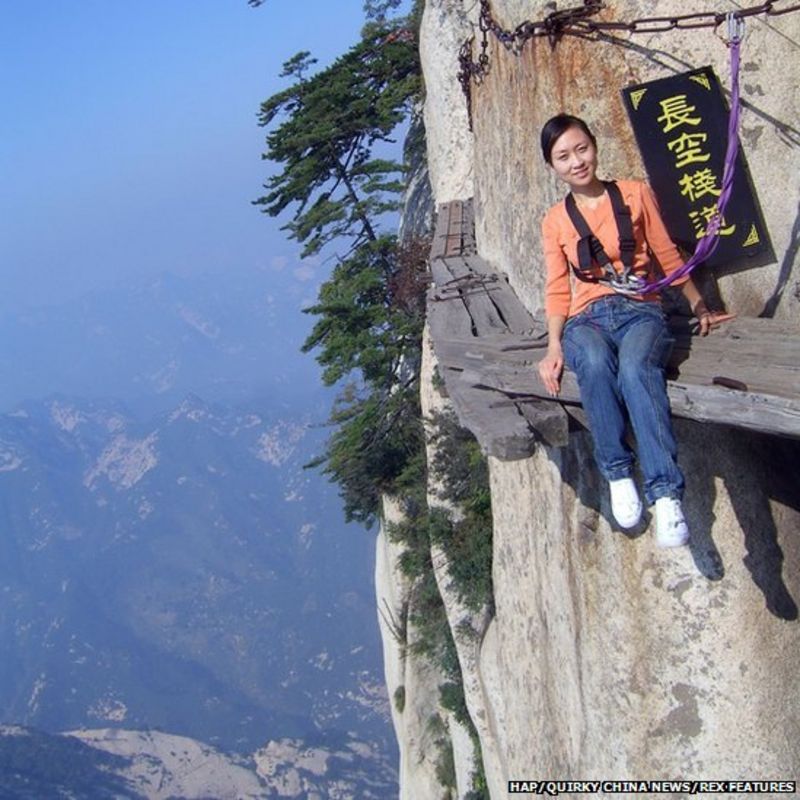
[(128, 138)]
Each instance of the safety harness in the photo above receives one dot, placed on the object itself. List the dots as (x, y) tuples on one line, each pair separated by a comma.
[(590, 251), (592, 255)]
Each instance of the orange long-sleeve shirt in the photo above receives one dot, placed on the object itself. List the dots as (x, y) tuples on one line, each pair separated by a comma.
[(567, 296)]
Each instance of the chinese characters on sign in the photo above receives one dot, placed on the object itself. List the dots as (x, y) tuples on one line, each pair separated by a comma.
[(680, 125)]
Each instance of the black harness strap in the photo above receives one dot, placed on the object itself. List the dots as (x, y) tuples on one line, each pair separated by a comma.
[(591, 253)]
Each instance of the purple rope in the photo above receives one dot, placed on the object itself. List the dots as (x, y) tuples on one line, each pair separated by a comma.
[(710, 240)]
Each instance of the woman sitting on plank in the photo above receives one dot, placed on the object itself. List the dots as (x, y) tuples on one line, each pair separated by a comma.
[(614, 339)]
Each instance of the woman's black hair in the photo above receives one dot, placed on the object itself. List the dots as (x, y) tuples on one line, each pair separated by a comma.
[(557, 125)]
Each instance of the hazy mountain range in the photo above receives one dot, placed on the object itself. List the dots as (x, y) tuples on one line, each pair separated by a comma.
[(166, 563), (226, 337)]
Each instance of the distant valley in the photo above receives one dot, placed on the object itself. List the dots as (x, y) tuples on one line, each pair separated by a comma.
[(135, 765), (167, 566), (185, 574)]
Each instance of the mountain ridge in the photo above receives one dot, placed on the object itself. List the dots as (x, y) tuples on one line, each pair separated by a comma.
[(176, 556), (93, 764)]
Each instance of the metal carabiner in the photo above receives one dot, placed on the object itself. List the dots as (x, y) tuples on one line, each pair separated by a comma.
[(735, 27), (628, 285)]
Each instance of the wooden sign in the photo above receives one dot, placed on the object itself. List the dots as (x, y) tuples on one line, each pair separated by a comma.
[(681, 127)]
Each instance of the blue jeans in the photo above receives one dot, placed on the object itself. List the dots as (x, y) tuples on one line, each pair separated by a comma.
[(618, 348)]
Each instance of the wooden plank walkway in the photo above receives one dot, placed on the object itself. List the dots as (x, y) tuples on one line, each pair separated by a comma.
[(746, 374)]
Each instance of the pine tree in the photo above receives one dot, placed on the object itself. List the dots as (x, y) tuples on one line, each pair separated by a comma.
[(325, 130), (325, 141)]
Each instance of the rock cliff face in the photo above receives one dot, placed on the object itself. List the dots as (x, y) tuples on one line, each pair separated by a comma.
[(606, 657)]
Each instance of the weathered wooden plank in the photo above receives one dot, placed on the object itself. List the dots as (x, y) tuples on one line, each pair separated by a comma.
[(700, 348), (762, 360), (691, 399), (440, 231), (441, 274), (746, 350), (783, 354), (466, 355), (452, 220), (459, 266), (767, 413), (510, 313), (448, 319), (513, 380), (483, 311), (454, 244), (482, 266), (487, 344), (468, 228), (518, 319), (516, 316), (773, 381), (751, 327), (700, 363), (503, 345), (548, 420), (758, 412), (769, 341), (500, 429), (460, 352)]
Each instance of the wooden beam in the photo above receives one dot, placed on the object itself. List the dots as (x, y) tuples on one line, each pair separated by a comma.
[(488, 345)]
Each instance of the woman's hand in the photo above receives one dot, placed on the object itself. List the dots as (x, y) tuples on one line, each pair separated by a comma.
[(550, 368), (552, 365), (707, 320)]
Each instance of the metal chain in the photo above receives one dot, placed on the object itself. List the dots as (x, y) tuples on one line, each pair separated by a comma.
[(576, 21)]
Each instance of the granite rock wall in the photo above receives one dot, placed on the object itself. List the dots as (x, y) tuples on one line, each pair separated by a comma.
[(607, 657)]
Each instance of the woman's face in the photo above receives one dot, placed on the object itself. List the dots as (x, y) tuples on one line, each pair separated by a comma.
[(574, 158)]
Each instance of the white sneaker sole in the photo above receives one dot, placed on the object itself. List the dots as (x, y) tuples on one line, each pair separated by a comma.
[(679, 541), (677, 531), (627, 511)]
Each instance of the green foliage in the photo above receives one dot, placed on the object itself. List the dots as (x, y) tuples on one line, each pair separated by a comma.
[(451, 697), (445, 769), (468, 546), (480, 788), (400, 699), (461, 468), (374, 439), (364, 325), (465, 540), (433, 638), (446, 766), (298, 65), (325, 130), (462, 471), (378, 10), (459, 464), (370, 323)]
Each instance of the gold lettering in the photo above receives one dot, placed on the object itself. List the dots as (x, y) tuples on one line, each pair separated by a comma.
[(708, 220), (698, 184), (676, 112), (687, 149)]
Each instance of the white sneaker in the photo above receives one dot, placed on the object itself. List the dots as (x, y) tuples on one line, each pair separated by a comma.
[(671, 527), (625, 503)]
